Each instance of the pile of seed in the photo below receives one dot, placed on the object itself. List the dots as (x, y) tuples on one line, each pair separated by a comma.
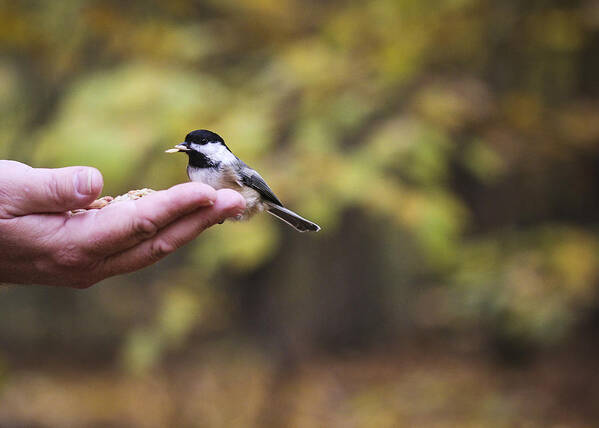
[(131, 195)]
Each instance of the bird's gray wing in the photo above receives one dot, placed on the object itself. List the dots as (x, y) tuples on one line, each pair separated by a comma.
[(252, 179)]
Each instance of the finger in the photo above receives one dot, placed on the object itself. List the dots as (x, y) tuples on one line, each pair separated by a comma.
[(37, 190), (228, 204), (123, 225)]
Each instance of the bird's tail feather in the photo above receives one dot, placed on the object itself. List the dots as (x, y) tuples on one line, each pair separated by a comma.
[(292, 219)]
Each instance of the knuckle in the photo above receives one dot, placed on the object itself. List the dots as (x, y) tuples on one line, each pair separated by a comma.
[(69, 256), (73, 258), (54, 189), (144, 228), (43, 264), (68, 269), (161, 248)]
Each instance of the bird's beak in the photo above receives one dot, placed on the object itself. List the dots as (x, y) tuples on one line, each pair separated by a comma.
[(178, 148)]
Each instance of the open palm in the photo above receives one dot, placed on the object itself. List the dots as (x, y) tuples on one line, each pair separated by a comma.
[(42, 243)]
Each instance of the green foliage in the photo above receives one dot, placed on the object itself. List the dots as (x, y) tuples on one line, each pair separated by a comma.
[(532, 286), (461, 126)]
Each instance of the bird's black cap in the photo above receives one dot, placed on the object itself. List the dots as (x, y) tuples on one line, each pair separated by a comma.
[(203, 136)]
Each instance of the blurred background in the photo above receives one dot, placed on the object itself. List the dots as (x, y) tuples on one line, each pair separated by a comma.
[(448, 148)]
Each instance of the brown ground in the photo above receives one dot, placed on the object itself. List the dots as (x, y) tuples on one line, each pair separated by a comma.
[(222, 389)]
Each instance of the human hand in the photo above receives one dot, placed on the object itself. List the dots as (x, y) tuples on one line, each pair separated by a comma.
[(42, 243)]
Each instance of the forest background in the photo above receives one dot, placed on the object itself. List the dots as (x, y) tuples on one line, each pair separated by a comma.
[(448, 148)]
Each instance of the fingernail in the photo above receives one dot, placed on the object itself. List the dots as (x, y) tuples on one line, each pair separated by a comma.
[(206, 202), (88, 181)]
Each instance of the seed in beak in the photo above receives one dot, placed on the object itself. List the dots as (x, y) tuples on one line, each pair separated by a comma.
[(178, 148)]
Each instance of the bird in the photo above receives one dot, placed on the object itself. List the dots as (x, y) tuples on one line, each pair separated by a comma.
[(212, 162)]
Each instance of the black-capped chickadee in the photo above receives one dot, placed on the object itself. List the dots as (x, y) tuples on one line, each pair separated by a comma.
[(211, 162)]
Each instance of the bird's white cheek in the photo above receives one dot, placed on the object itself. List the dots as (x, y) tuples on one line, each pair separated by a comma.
[(214, 151)]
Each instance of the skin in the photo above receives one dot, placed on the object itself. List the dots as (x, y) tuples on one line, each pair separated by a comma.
[(41, 243)]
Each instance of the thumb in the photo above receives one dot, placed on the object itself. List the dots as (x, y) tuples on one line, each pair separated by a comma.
[(55, 190)]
